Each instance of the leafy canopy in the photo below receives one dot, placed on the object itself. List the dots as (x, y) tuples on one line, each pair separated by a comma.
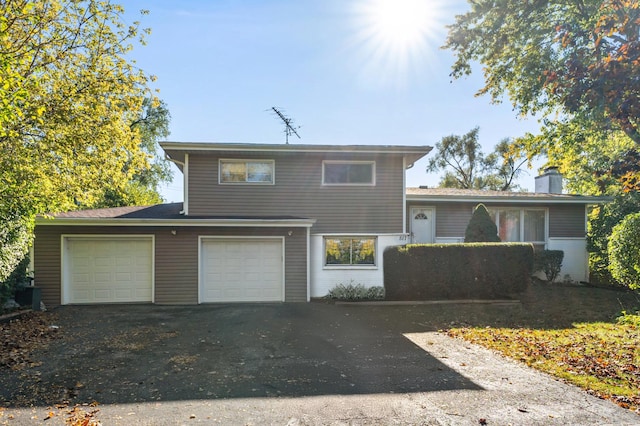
[(467, 167), (68, 96), (580, 59)]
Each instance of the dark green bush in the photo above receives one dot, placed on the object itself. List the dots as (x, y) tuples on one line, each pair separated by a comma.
[(624, 251), (17, 279), (457, 271), (549, 262), (481, 228)]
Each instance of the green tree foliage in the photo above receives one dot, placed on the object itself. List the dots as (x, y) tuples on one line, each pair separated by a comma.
[(577, 58), (467, 167), (144, 186), (602, 220), (481, 228), (575, 63), (624, 251), (69, 94)]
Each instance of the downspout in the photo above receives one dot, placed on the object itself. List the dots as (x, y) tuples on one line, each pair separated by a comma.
[(308, 264), (185, 180), (404, 193)]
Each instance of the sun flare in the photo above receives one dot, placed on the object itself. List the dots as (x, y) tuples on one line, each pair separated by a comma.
[(397, 36)]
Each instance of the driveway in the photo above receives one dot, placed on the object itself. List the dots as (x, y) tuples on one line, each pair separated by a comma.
[(284, 364)]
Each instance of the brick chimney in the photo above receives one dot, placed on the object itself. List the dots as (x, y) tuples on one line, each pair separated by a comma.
[(549, 182)]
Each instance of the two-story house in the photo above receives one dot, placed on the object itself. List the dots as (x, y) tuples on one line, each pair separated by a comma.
[(263, 222), (258, 223)]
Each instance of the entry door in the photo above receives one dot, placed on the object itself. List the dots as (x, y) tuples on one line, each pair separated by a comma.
[(422, 225)]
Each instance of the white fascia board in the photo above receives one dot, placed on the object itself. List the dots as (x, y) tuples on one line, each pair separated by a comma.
[(226, 147), (261, 223), (510, 200)]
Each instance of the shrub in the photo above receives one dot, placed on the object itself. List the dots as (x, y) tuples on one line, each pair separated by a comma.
[(481, 228), (624, 251), (354, 291), (17, 279), (457, 271), (549, 262), (601, 223)]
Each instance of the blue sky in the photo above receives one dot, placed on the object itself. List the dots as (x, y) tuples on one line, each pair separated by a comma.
[(336, 67)]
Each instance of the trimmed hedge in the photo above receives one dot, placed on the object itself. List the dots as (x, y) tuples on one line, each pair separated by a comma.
[(457, 271)]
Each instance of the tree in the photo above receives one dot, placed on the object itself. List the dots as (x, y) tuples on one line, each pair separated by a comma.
[(69, 95), (580, 59), (602, 220), (481, 228), (467, 167), (624, 251), (143, 188)]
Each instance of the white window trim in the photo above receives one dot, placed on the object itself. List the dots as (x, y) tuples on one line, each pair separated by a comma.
[(350, 266), (247, 160), (373, 172), (522, 210)]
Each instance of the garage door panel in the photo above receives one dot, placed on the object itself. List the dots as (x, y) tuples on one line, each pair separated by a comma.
[(241, 270), (106, 270)]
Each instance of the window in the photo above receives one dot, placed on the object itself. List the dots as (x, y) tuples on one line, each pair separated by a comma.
[(355, 251), (520, 225), (348, 173), (246, 171)]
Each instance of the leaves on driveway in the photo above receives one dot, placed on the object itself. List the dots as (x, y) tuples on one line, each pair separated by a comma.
[(23, 335)]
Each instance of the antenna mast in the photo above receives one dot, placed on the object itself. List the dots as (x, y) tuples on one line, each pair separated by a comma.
[(288, 122)]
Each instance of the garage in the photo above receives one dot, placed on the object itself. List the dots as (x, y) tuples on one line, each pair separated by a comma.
[(241, 270), (107, 269)]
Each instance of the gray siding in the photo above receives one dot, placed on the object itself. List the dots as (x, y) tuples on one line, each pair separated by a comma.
[(176, 259), (565, 220), (298, 191)]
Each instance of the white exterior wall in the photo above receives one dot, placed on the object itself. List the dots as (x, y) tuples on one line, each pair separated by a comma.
[(324, 278), (576, 259), (449, 240)]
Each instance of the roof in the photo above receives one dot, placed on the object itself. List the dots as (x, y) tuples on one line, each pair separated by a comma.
[(164, 215), (177, 150), (474, 195)]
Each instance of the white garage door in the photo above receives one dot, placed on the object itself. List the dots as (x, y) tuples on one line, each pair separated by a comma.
[(107, 270), (241, 270)]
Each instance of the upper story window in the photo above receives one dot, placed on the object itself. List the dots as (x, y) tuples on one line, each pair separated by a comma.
[(348, 172), (247, 171), (520, 225)]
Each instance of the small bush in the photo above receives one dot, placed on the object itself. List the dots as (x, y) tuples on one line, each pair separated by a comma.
[(481, 228), (624, 251), (354, 292), (632, 318), (16, 280), (549, 262), (375, 293)]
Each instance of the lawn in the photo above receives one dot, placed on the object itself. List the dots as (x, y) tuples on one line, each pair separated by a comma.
[(600, 357)]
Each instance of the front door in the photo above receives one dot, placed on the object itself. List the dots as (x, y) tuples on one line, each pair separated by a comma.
[(422, 225)]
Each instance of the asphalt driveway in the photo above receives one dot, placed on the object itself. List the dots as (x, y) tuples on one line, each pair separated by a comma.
[(284, 364)]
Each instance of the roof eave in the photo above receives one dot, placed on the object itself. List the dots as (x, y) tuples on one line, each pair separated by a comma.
[(260, 223), (509, 200)]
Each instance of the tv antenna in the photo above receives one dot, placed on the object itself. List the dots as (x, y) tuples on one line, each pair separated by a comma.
[(288, 123)]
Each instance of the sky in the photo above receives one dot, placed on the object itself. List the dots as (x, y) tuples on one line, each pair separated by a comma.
[(363, 72)]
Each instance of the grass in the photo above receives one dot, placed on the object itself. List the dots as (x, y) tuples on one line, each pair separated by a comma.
[(602, 358)]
